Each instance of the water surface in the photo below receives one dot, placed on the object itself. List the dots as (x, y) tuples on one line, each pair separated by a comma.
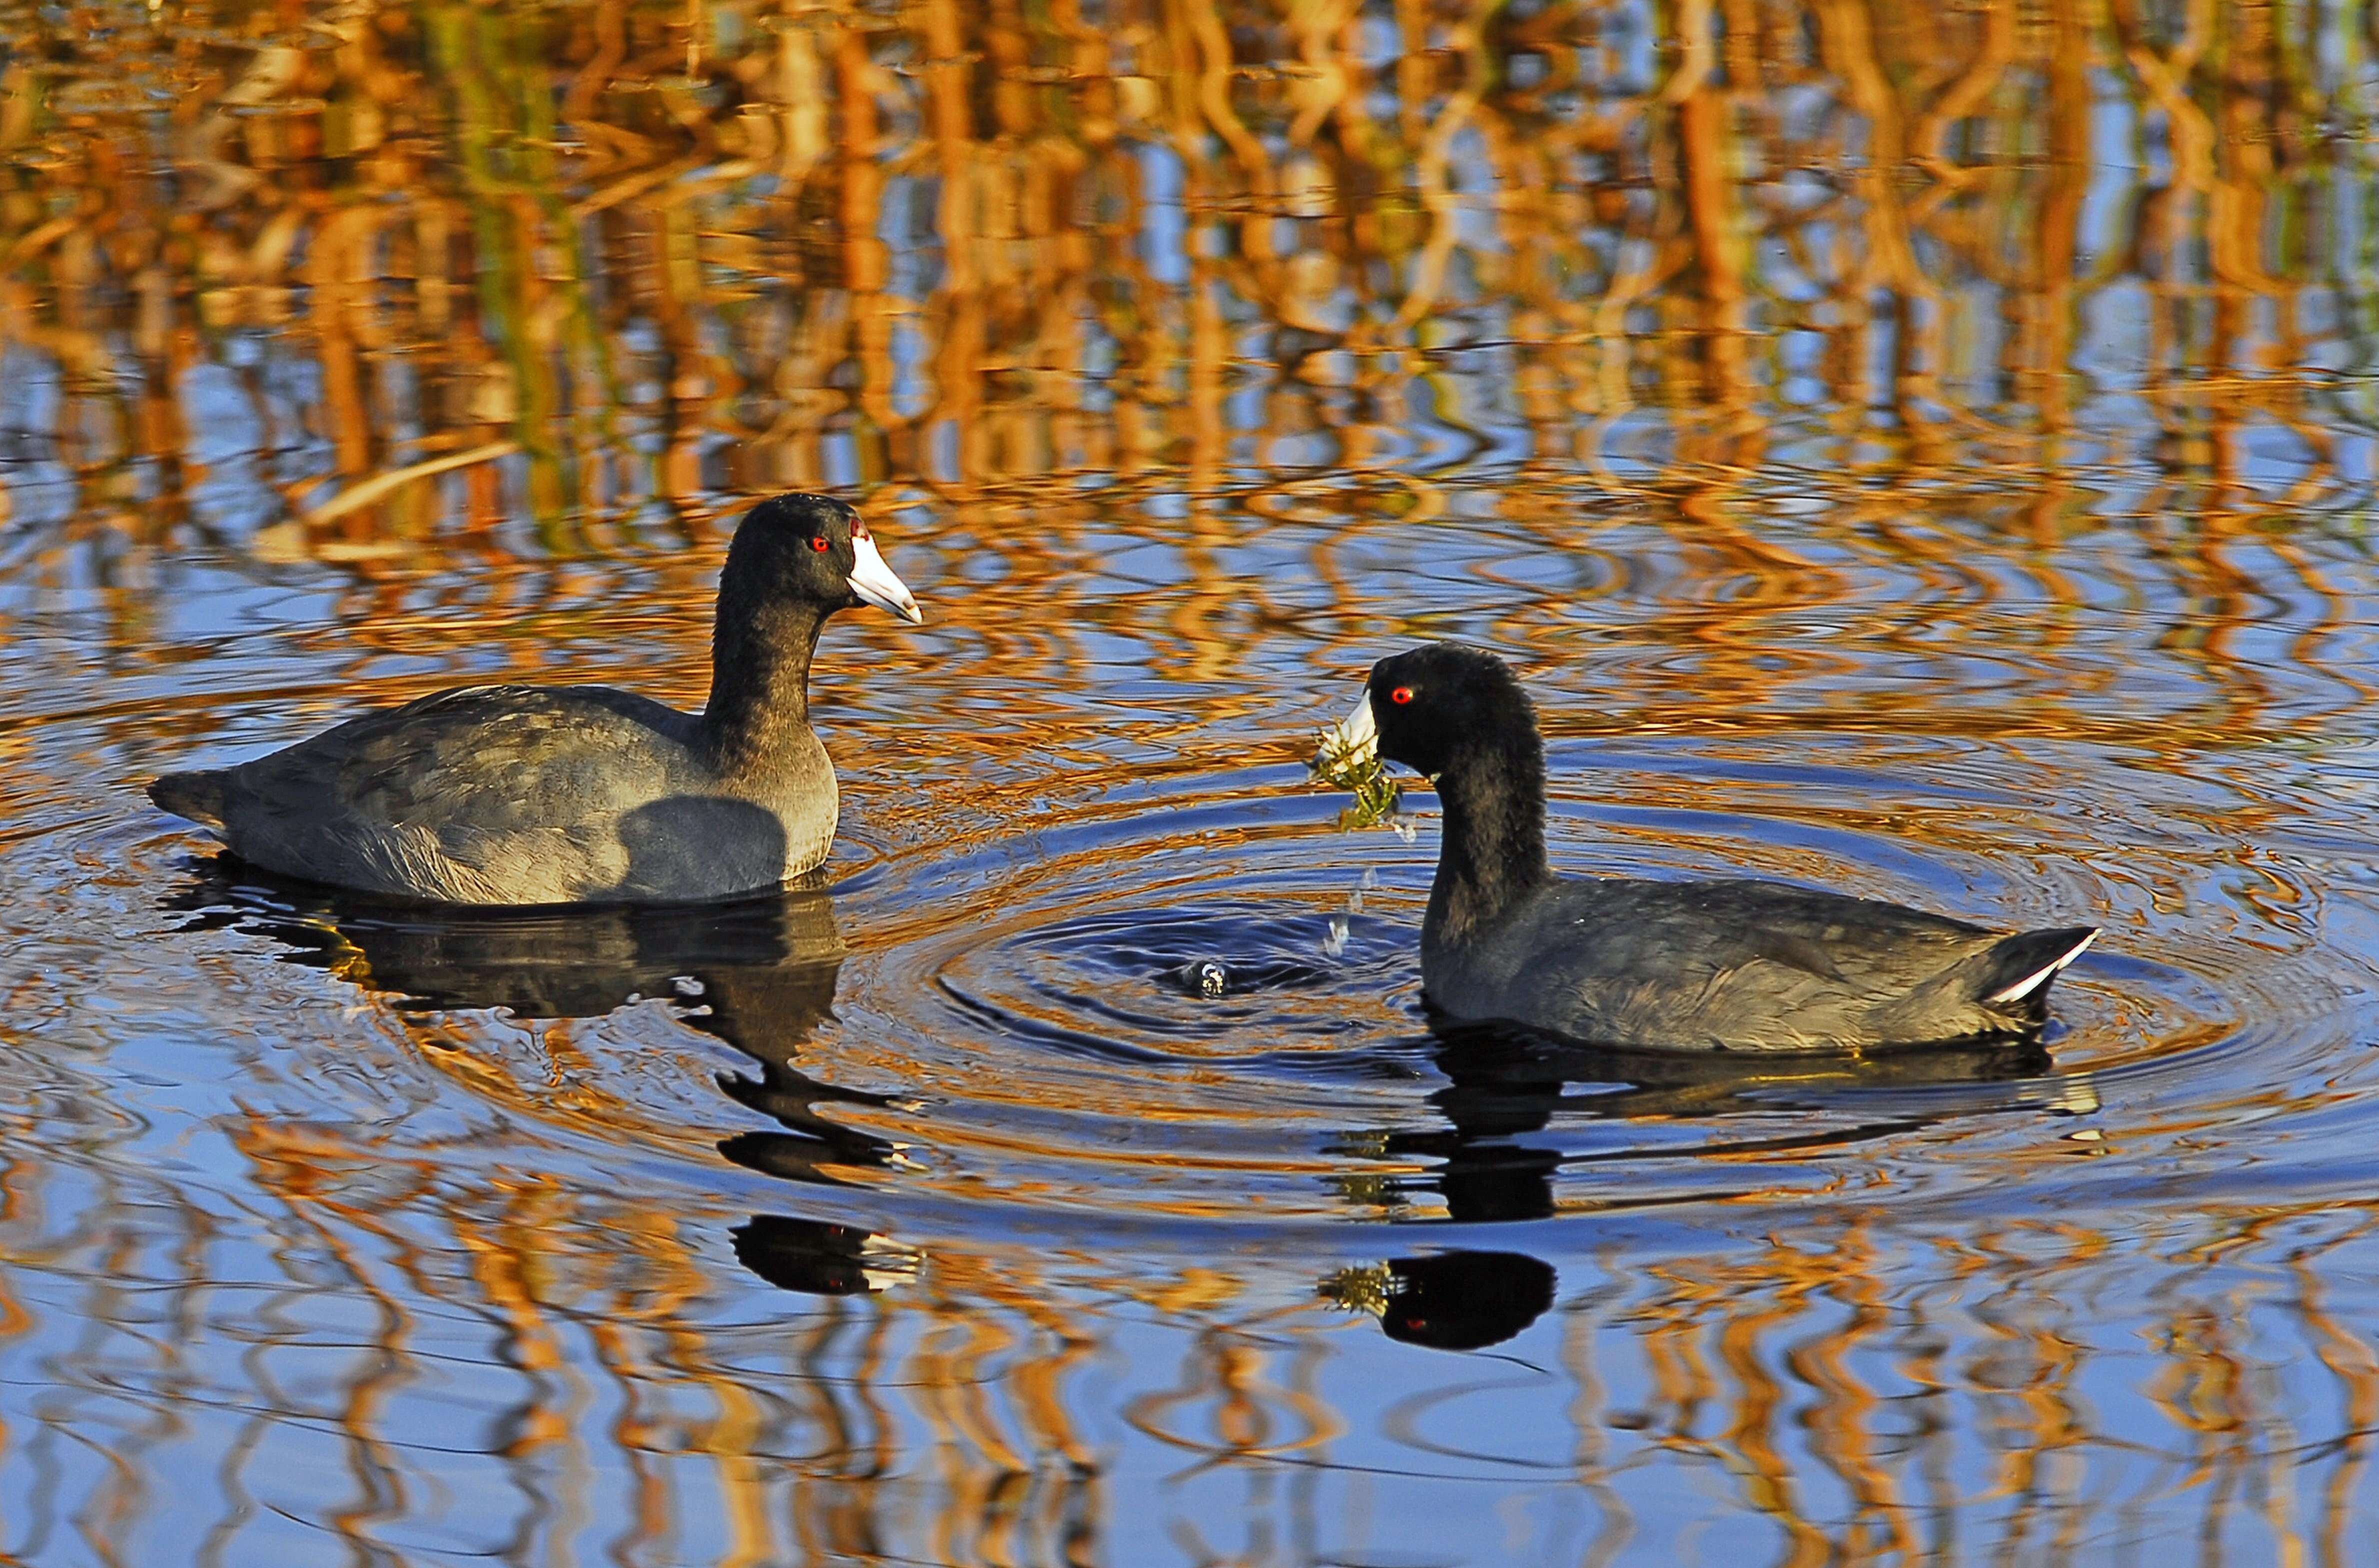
[(1945, 482)]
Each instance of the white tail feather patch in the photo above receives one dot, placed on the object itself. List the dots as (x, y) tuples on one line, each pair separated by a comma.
[(2040, 977)]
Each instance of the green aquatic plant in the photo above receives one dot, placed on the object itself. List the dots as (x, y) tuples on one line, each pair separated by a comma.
[(1366, 777), (1359, 1287)]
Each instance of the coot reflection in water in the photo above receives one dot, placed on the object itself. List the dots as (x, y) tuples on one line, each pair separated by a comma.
[(756, 974), (1507, 1082), (761, 975)]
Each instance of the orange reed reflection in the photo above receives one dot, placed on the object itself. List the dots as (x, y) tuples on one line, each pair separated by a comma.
[(448, 262), (2053, 306)]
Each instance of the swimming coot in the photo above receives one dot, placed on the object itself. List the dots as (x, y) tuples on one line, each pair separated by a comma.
[(582, 794), (1705, 966)]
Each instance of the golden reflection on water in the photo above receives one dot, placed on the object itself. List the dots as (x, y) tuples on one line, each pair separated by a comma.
[(458, 264), (1935, 440)]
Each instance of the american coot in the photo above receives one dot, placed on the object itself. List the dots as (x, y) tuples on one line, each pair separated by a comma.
[(1705, 966), (582, 794)]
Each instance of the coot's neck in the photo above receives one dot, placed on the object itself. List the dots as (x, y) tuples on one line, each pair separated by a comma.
[(1494, 854), (758, 717)]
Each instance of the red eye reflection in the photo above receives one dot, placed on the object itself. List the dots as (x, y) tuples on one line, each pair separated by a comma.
[(819, 542), (1401, 695)]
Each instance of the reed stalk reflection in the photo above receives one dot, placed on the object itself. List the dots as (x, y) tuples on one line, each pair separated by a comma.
[(1923, 451)]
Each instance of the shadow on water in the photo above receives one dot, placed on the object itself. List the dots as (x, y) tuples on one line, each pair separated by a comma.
[(1505, 1083), (760, 976), (771, 960), (756, 974)]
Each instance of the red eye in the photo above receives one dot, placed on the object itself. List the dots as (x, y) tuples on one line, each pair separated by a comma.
[(1401, 695), (819, 542)]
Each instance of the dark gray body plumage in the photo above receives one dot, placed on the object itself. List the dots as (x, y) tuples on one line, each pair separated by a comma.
[(521, 795), (1732, 966)]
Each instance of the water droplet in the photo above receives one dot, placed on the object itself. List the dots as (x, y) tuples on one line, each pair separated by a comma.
[(1336, 941), (1404, 829)]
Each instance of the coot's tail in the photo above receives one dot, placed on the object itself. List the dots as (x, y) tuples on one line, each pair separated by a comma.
[(197, 795), (2016, 971), (1993, 990)]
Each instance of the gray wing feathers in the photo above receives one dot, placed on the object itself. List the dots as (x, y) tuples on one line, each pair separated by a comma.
[(499, 794), (1739, 965)]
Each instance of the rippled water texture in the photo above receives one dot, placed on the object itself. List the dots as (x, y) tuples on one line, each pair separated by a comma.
[(1925, 450)]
